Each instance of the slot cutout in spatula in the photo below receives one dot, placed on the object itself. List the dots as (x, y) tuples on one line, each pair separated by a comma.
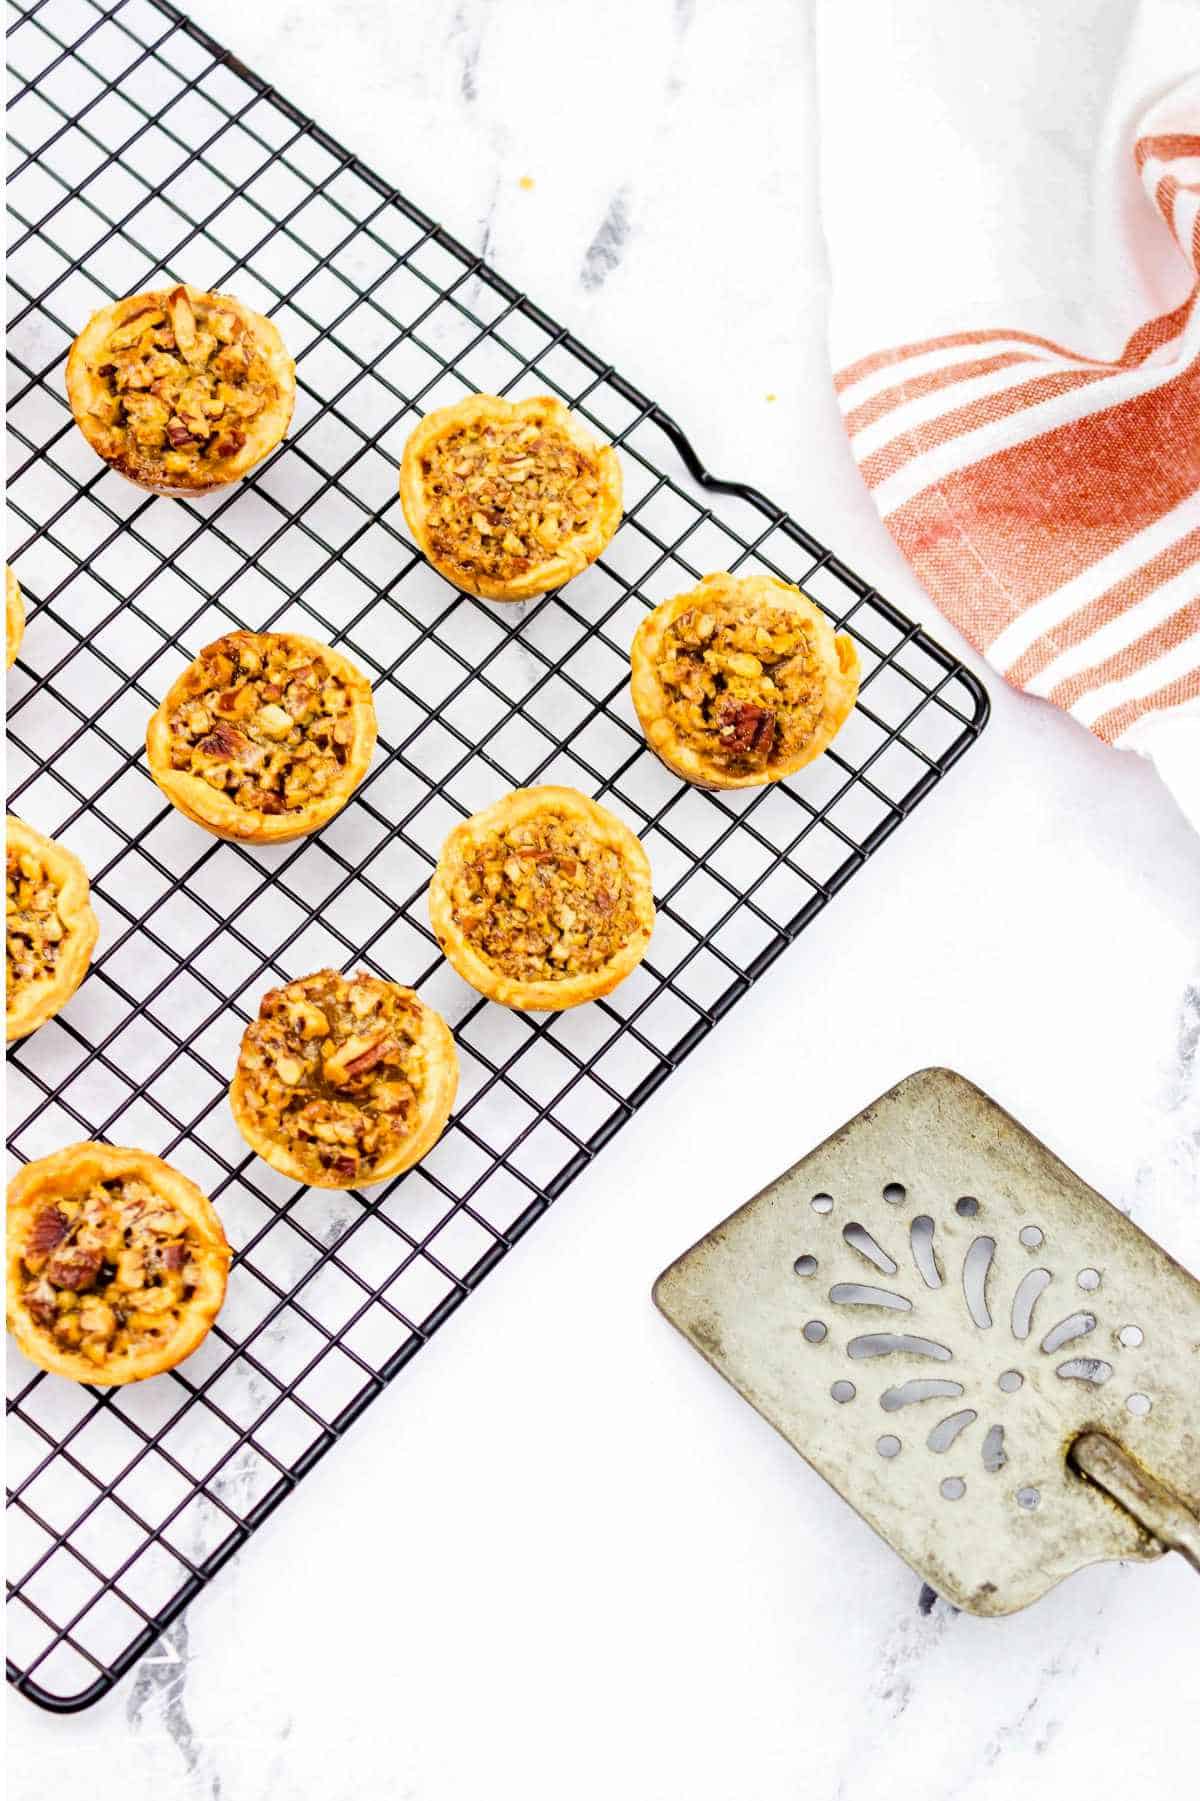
[(993, 1365)]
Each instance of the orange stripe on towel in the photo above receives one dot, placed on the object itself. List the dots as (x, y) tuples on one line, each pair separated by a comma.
[(883, 359), (988, 410), (1115, 600), (1125, 662), (1046, 509), (920, 385), (1111, 726), (1166, 147)]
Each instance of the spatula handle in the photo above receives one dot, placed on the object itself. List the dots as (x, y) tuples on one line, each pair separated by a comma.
[(1162, 1513)]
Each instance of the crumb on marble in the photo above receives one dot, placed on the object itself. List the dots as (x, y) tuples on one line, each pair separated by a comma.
[(527, 182)]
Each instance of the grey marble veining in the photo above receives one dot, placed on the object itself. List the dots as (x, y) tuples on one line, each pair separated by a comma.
[(604, 253)]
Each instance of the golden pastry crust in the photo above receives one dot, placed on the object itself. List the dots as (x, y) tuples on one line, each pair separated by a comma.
[(14, 617), (509, 499), (543, 900), (741, 681), (264, 737), (343, 1081), (179, 390), (116, 1264), (50, 928)]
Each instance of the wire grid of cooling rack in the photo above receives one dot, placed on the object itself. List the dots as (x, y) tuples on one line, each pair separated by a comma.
[(143, 148)]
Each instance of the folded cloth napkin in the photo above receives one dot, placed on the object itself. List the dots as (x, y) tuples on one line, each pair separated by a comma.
[(1011, 198)]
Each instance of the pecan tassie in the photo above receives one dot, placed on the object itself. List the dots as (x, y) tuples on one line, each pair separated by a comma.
[(544, 900), (264, 737), (50, 928), (740, 682), (508, 499), (179, 390), (116, 1264), (344, 1080), (14, 617)]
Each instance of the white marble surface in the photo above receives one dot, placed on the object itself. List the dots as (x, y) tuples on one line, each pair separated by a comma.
[(559, 1557)]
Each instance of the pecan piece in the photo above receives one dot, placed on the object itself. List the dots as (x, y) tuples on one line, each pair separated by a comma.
[(183, 320), (128, 333), (392, 1097), (225, 744), (274, 720), (49, 1228), (74, 1268), (237, 703), (219, 667), (359, 1054), (302, 1016), (262, 798), (746, 729), (97, 1320), (386, 1047), (39, 1301), (131, 1268)]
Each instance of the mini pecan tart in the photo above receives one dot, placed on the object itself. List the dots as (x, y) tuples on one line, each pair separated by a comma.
[(508, 499), (14, 617), (50, 928), (543, 900), (344, 1080), (181, 391), (116, 1264), (264, 737), (741, 681)]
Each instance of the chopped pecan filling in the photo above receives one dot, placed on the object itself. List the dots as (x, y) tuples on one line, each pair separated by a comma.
[(544, 900), (503, 499), (109, 1270), (35, 931), (742, 682), (263, 721), (182, 382), (333, 1071)]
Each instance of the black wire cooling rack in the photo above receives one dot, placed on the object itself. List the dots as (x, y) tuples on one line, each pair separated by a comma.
[(141, 148)]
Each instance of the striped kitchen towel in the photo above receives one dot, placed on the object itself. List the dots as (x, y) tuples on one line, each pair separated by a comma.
[(1012, 201)]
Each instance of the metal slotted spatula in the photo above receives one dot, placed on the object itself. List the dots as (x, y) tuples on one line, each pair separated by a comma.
[(994, 1366)]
